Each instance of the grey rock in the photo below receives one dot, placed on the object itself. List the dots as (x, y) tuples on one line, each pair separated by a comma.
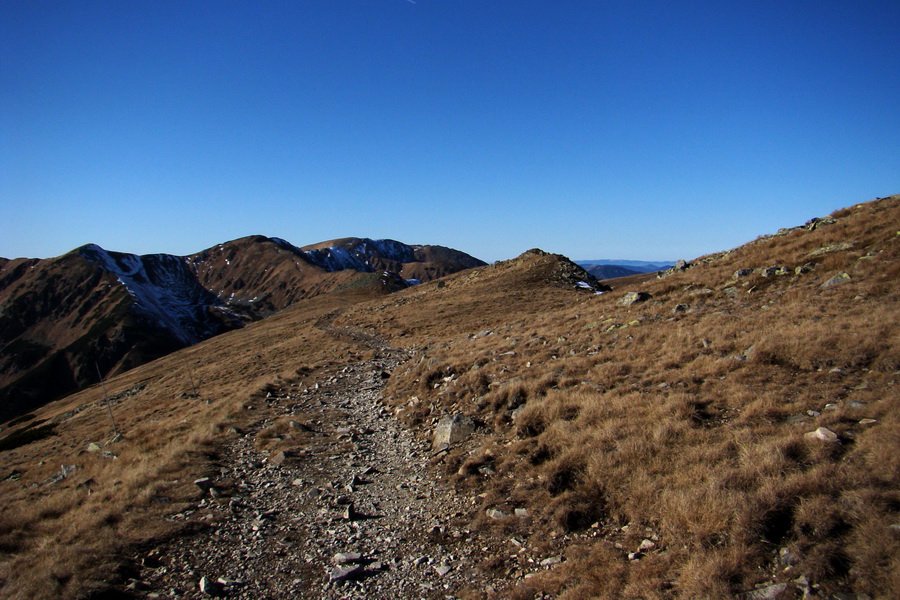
[(771, 592), (442, 570), (741, 273), (679, 266), (495, 513), (553, 560), (773, 271), (204, 483), (805, 268), (817, 222), (838, 279), (680, 308), (345, 558), (210, 587), (633, 298), (279, 459), (823, 434), (831, 248), (350, 513), (345, 572), (453, 429)]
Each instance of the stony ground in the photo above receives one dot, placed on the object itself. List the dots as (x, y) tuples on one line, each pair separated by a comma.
[(352, 513)]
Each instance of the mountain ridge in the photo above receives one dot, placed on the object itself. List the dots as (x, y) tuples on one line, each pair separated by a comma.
[(94, 311)]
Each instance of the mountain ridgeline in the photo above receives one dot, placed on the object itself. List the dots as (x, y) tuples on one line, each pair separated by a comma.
[(67, 320)]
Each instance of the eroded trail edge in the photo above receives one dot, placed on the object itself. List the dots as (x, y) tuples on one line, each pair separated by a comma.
[(351, 511)]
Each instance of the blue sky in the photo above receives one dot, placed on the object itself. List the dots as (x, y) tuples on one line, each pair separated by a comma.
[(596, 129)]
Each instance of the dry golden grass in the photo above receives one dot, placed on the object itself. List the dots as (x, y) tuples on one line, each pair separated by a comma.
[(610, 424), (74, 538), (690, 423)]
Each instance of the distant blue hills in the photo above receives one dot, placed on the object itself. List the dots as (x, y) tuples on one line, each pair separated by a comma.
[(606, 268)]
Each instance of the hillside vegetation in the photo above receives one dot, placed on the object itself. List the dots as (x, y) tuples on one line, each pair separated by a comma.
[(733, 431)]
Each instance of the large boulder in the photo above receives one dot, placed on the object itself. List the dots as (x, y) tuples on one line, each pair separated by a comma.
[(453, 429)]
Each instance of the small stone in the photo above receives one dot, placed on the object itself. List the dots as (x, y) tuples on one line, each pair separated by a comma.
[(495, 513), (204, 483), (553, 560), (345, 572), (278, 459), (442, 570), (93, 447), (771, 592), (209, 587), (773, 271), (633, 298), (787, 557), (838, 279), (344, 558), (680, 308), (349, 513), (521, 512), (823, 434), (646, 545), (867, 421)]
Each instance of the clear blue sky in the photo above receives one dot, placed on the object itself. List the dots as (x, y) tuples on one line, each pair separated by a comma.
[(597, 129)]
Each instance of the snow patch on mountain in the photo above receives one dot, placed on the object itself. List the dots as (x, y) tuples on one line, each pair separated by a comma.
[(164, 290), (360, 255)]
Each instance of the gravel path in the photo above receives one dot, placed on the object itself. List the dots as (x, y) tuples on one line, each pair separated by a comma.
[(353, 513)]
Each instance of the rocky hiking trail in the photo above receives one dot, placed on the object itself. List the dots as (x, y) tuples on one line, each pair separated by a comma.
[(352, 512)]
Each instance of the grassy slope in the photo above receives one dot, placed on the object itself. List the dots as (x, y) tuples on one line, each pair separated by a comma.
[(67, 539), (687, 428)]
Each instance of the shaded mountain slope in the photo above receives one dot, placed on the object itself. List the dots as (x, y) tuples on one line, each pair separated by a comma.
[(64, 319), (610, 271), (422, 263)]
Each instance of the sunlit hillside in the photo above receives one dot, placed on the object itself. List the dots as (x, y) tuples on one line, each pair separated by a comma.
[(728, 429)]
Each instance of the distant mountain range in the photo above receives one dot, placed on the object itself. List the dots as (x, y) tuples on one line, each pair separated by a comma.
[(65, 320), (611, 268)]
